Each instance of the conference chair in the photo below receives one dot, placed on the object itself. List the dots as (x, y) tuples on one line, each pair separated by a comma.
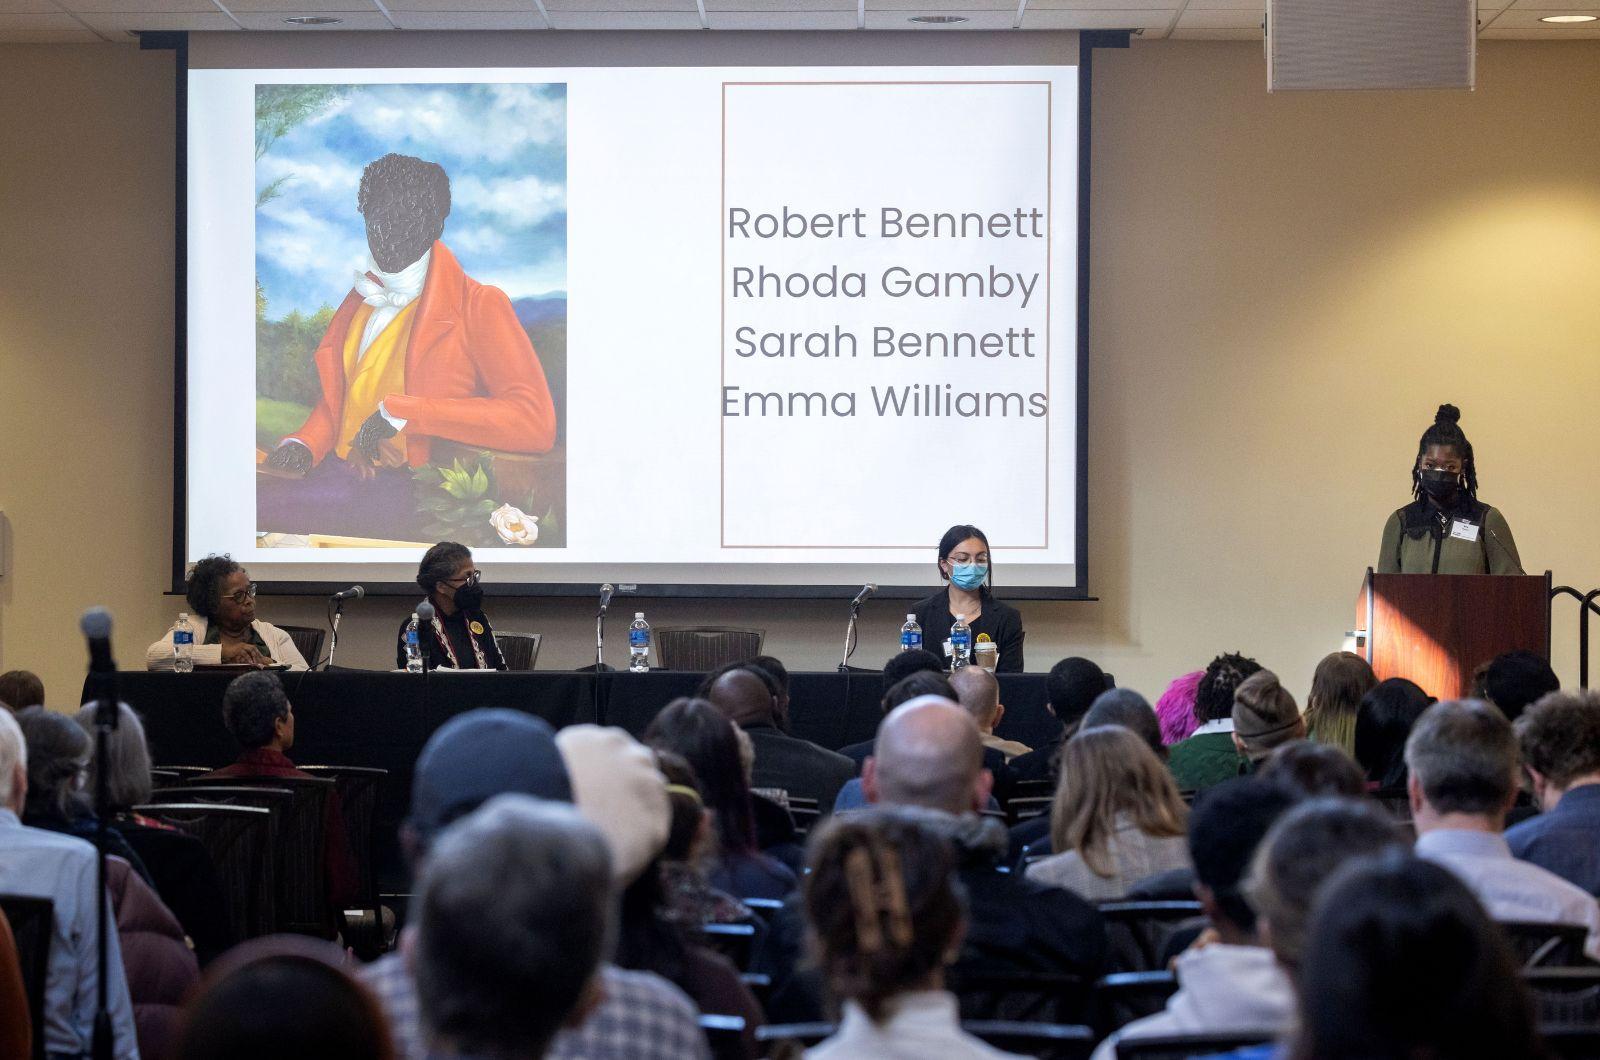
[(1137, 932), (519, 650), (1567, 1042), (1539, 945), (1122, 997), (724, 1036), (359, 789), (1565, 996), (1027, 807), (182, 772), (737, 942), (1048, 1041), (239, 839), (1185, 1046), (699, 648), (308, 641), (32, 923), (759, 985), (1034, 997)]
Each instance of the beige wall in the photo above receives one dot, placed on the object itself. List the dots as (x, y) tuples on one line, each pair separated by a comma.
[(1285, 288)]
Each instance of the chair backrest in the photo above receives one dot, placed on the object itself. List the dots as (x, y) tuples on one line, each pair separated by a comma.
[(359, 788), (308, 641), (1037, 997), (1137, 932), (1540, 945), (1569, 1042), (1048, 1041), (1027, 807), (1122, 997), (519, 650), (736, 942), (725, 1036), (185, 772), (1396, 802), (32, 923), (1184, 1046), (1032, 789), (706, 647), (802, 1034), (1567, 996), (239, 840), (301, 842)]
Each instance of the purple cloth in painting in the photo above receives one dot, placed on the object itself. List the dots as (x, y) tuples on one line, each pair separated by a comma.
[(333, 499)]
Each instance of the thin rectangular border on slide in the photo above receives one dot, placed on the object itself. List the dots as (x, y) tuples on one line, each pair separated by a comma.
[(722, 306), (323, 52)]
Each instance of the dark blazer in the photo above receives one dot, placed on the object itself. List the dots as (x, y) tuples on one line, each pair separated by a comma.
[(1000, 620), (798, 766)]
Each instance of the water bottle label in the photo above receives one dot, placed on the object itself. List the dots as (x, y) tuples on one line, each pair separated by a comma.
[(909, 640), (183, 636), (961, 639), (411, 638), (638, 638)]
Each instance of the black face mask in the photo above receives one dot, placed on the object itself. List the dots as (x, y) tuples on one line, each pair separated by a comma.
[(1440, 485), (469, 597)]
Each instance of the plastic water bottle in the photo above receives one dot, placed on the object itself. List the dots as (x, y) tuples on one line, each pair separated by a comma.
[(960, 643), (413, 645), (639, 644), (183, 645), (910, 634)]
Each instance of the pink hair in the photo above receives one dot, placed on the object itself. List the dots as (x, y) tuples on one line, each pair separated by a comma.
[(1175, 708)]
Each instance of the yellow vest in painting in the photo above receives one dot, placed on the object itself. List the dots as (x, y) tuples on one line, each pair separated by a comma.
[(371, 378)]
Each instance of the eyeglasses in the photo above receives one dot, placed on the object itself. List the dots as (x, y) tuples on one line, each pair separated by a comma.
[(471, 578), (245, 595)]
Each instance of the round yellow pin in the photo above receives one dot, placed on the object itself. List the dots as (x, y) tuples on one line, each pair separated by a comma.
[(476, 627)]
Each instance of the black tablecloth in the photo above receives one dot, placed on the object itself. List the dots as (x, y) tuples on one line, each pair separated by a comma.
[(361, 718)]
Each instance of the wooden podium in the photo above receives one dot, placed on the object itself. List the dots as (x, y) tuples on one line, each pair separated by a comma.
[(1437, 629)]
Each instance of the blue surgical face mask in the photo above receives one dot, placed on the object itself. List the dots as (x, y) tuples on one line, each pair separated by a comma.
[(968, 576)]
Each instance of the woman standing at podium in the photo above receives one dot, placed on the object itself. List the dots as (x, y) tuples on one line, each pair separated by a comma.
[(1446, 529), (964, 564)]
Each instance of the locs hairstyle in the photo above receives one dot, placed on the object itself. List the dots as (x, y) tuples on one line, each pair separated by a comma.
[(1446, 430), (405, 201)]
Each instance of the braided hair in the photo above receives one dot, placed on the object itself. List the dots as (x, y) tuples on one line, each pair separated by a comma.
[(1213, 698), (1446, 431), (883, 904)]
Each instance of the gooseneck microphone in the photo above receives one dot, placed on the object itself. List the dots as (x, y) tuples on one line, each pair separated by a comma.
[(850, 627), (866, 591), (355, 592)]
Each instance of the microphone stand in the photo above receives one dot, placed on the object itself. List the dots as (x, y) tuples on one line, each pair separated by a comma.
[(333, 645), (105, 723), (850, 636)]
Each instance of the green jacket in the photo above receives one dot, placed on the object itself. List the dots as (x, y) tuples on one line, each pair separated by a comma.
[(1203, 761), (1470, 538)]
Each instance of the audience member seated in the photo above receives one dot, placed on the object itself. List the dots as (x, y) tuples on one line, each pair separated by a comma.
[(1560, 738), (1117, 817), (619, 790), (467, 761), (978, 692), (709, 742), (887, 916), (261, 721), (16, 1020), (1402, 962), (1463, 762), (797, 766), (919, 682), (159, 967), (1128, 709), (1071, 688), (282, 996), (1341, 679), (1175, 708), (691, 900), (1231, 983), (178, 863), (1309, 770), (1383, 721), (35, 863), (773, 667), (222, 612), (1209, 756), (929, 755), (1265, 717), (1515, 680), (58, 769), (21, 689), (513, 912)]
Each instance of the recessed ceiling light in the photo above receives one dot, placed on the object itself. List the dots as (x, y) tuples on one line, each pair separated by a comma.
[(1569, 18), (938, 20), (313, 20)]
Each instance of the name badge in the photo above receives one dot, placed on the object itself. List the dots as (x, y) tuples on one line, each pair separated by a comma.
[(947, 649), (1464, 530)]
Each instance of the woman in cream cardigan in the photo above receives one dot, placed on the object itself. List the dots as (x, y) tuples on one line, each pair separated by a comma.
[(222, 610)]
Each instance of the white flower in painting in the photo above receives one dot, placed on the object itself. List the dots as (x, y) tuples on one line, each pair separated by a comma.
[(514, 526)]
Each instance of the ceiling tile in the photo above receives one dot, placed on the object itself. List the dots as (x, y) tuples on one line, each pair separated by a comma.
[(28, 7), (1258, 6), (1218, 25), (626, 19), (1559, 7), (467, 19), (783, 20), (275, 21), (779, 7), (125, 22), (1170, 7), (137, 7), (1525, 25), (943, 7), (1151, 21), (595, 7), (899, 19), (303, 7), (55, 28), (468, 6)]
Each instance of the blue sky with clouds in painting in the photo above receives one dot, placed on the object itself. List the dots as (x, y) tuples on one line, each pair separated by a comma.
[(503, 146)]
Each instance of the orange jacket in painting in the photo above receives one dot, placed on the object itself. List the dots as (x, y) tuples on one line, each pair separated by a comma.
[(472, 376)]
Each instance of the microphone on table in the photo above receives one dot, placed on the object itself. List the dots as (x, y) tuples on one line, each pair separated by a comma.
[(861, 597), (850, 628), (425, 615), (600, 628), (355, 592), (605, 596), (96, 626)]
